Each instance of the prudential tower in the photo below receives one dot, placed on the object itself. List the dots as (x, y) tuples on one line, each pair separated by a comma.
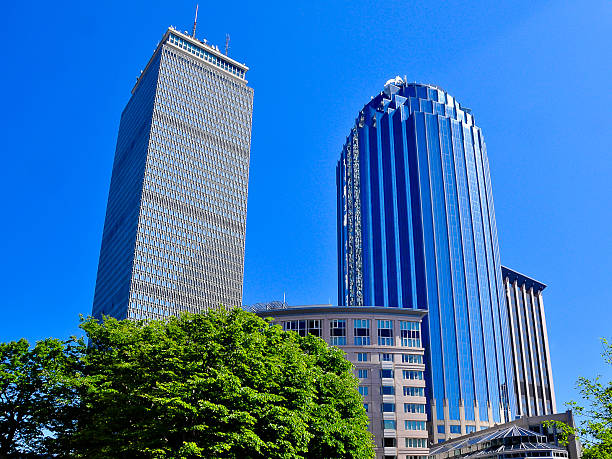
[(416, 229)]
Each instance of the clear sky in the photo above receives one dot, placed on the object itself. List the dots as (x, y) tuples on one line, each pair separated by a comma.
[(536, 75)]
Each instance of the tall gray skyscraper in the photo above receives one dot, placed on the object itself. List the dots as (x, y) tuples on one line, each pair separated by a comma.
[(175, 223)]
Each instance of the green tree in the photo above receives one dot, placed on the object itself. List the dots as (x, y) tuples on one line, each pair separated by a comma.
[(34, 396), (595, 429), (222, 384)]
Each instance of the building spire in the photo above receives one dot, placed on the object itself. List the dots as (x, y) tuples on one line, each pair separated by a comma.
[(195, 22)]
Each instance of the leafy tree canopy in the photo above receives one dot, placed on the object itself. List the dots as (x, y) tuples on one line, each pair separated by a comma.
[(595, 429), (221, 384)]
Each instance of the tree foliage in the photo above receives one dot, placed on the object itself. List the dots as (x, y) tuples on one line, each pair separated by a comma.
[(222, 384), (34, 396), (595, 429)]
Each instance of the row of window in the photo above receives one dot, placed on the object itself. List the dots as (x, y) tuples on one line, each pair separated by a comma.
[(410, 331), (388, 357), (388, 373), (391, 442), (456, 429), (409, 391), (408, 424), (209, 57), (418, 408)]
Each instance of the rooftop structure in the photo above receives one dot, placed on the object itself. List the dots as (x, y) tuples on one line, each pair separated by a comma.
[(508, 441)]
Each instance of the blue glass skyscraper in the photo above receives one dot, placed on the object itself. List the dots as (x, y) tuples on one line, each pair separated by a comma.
[(416, 229)]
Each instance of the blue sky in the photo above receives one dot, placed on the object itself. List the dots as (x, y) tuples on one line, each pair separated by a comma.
[(536, 75)]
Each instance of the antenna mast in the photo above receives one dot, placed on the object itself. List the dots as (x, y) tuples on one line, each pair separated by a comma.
[(195, 22), (227, 38)]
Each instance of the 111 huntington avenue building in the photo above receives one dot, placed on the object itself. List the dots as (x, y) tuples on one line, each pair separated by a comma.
[(417, 231), (174, 230)]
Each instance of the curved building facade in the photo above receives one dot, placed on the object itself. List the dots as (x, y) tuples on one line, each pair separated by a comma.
[(416, 229), (386, 350)]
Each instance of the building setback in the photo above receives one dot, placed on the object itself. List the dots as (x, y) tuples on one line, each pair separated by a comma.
[(174, 231), (533, 379), (416, 230)]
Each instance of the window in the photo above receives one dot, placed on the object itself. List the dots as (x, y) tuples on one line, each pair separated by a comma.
[(470, 429), (413, 374), (362, 373), (389, 424), (337, 332), (384, 373), (363, 390), (387, 390), (385, 333), (417, 457), (414, 391), (387, 407), (362, 356), (410, 333), (441, 429), (366, 407), (389, 442), (361, 332), (386, 357), (454, 429), (416, 442), (412, 358), (314, 327), (414, 408), (415, 425), (298, 326)]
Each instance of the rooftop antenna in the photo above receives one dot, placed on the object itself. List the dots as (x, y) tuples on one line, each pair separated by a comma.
[(227, 38), (195, 22), (284, 302)]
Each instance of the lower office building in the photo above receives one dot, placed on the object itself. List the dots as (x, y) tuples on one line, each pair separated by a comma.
[(533, 381), (385, 347)]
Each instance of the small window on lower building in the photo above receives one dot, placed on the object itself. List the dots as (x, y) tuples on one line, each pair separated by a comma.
[(389, 442), (389, 424), (414, 425), (362, 356), (362, 374), (416, 443), (314, 327), (337, 332), (363, 390), (387, 407), (441, 429), (454, 429), (385, 373), (387, 390), (386, 357), (366, 407), (470, 429)]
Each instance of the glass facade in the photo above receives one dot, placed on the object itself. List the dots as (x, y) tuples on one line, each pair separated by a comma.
[(416, 229), (174, 231)]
